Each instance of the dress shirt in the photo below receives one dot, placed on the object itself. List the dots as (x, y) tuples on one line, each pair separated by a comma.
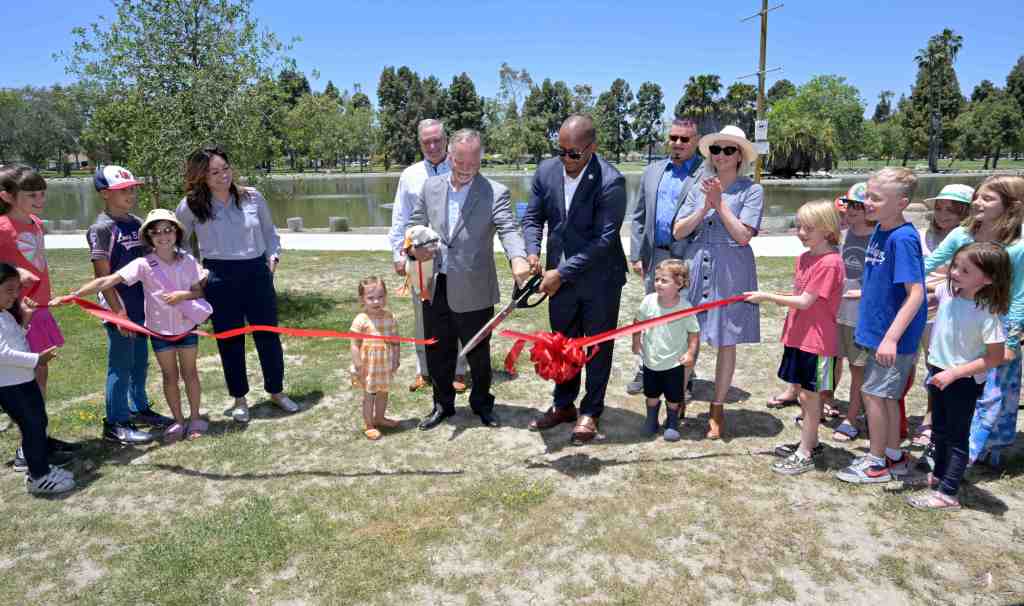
[(456, 200), (569, 185), (669, 189), (232, 233), (410, 184)]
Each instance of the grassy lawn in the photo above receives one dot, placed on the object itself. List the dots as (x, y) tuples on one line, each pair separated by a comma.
[(302, 509)]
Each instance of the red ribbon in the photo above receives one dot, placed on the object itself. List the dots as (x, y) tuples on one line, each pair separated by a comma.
[(560, 358), (108, 316)]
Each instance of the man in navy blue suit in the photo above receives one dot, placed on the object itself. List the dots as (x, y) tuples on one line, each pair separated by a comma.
[(582, 200)]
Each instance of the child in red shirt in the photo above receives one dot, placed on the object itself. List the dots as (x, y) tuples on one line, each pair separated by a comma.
[(809, 335)]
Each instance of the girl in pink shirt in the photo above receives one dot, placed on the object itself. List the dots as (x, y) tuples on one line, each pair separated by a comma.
[(172, 282)]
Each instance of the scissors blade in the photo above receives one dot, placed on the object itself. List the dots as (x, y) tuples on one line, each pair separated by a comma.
[(488, 328)]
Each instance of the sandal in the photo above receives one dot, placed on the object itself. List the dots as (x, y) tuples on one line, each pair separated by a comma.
[(197, 428), (174, 433), (845, 432), (934, 501), (923, 437), (780, 401), (372, 433), (584, 431), (799, 420)]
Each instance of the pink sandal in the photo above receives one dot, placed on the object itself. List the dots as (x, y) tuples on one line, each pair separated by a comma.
[(196, 428), (934, 500)]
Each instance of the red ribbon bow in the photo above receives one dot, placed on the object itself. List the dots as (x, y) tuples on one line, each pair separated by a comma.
[(561, 358)]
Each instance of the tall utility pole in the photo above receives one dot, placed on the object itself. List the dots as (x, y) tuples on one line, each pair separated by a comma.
[(761, 72)]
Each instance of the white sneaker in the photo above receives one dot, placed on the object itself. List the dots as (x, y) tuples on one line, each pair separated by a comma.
[(240, 412), (57, 481), (286, 404)]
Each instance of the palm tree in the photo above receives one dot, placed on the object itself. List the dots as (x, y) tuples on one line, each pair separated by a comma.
[(940, 53)]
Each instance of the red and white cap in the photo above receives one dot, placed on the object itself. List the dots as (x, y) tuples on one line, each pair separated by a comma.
[(114, 177)]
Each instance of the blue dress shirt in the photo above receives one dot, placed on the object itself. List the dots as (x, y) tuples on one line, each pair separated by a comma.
[(669, 188)]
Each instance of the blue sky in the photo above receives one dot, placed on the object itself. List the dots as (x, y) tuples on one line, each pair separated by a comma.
[(872, 43)]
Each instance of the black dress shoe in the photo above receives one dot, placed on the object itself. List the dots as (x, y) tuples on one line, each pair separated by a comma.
[(489, 419), (435, 418)]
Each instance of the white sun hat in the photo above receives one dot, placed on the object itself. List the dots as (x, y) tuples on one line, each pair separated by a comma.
[(733, 135)]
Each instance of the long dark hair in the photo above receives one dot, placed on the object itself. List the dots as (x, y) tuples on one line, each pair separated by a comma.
[(993, 261), (8, 271), (16, 178), (197, 193)]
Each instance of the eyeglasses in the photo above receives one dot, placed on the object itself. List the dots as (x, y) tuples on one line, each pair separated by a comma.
[(572, 153), (718, 149), (160, 231), (678, 139), (851, 205)]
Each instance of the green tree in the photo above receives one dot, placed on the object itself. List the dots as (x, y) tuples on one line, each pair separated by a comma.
[(546, 107), (739, 106), (982, 91), (991, 126), (332, 91), (883, 109), (463, 107), (401, 104), (359, 100), (358, 134), (12, 110), (937, 88), (822, 121), (294, 85), (315, 129), (182, 73), (700, 101), (780, 90), (612, 119), (650, 105), (582, 99), (1015, 81)]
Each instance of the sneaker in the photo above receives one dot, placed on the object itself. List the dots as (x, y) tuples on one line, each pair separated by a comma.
[(286, 404), (239, 412), (785, 450), (126, 434), (793, 465), (902, 467), (54, 482), (151, 418), (636, 386), (864, 471), (54, 458), (672, 435)]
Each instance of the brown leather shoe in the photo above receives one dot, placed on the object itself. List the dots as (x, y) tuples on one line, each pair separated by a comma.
[(585, 430), (552, 417), (716, 421), (459, 384), (419, 383)]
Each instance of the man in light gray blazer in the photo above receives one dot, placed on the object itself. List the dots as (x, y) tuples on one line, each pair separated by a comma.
[(466, 210), (663, 190)]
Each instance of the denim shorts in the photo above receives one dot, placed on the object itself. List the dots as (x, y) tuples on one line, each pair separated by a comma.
[(187, 342)]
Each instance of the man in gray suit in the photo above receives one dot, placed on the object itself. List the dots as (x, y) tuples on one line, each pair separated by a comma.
[(663, 190), (466, 210)]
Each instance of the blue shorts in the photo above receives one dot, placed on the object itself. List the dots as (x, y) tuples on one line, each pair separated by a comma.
[(811, 372), (187, 342)]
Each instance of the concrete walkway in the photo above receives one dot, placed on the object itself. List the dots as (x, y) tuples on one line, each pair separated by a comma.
[(764, 246)]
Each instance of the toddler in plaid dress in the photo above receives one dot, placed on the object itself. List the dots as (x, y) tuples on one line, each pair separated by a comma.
[(374, 362)]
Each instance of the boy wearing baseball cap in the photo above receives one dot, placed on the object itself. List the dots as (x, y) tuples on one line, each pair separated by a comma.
[(113, 243)]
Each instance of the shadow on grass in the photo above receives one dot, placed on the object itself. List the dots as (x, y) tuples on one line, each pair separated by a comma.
[(704, 391), (265, 408), (582, 464), (316, 473)]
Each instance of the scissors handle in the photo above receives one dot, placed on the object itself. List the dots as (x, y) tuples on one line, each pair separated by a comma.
[(522, 295)]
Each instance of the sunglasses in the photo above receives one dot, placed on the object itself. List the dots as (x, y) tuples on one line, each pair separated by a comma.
[(851, 205), (572, 153), (678, 139), (718, 149), (161, 231)]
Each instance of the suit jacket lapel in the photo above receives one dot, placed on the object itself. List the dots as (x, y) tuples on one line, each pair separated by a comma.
[(588, 181)]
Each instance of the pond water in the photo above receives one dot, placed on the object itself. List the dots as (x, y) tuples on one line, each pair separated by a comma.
[(366, 199)]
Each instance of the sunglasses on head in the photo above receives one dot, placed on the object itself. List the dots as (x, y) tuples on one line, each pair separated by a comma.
[(572, 153), (718, 149), (678, 139), (160, 231)]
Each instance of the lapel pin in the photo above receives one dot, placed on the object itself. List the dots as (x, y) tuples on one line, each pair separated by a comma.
[(590, 176)]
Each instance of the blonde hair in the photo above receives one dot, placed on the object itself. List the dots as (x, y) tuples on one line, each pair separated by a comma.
[(821, 214), (678, 270), (1010, 190), (369, 281), (904, 177)]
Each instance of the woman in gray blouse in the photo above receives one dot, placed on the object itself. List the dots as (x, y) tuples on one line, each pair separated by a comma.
[(240, 248), (717, 220)]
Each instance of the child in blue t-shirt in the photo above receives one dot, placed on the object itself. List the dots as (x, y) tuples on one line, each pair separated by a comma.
[(891, 319)]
